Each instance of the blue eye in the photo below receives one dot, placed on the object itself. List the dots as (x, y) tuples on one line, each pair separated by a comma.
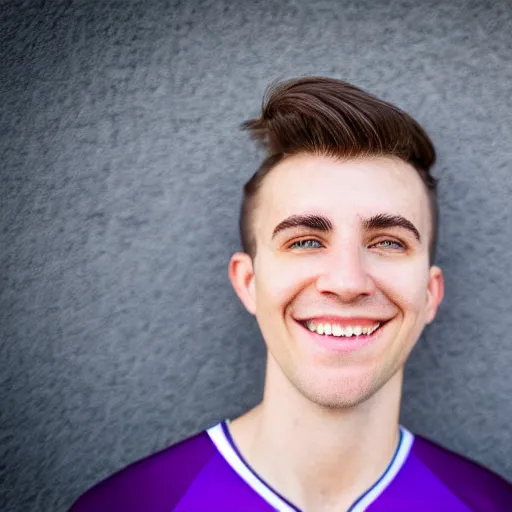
[(311, 243), (400, 246), (306, 244)]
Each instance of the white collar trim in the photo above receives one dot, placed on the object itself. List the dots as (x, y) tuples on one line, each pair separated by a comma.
[(229, 453)]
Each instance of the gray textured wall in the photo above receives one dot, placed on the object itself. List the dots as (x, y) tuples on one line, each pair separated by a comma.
[(121, 173)]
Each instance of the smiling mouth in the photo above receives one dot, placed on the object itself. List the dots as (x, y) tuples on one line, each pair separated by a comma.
[(336, 333)]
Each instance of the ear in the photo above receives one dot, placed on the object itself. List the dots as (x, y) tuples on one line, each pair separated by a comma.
[(435, 292), (241, 275)]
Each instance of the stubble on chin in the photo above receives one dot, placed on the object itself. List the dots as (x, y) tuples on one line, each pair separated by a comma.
[(339, 392)]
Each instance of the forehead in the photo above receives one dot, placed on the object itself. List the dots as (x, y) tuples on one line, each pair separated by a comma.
[(343, 190)]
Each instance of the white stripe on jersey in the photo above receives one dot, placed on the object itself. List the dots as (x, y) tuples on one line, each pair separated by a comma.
[(399, 459), (225, 448)]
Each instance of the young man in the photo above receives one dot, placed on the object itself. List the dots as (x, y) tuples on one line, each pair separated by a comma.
[(339, 232)]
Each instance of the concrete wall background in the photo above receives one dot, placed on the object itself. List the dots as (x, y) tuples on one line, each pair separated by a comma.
[(121, 174)]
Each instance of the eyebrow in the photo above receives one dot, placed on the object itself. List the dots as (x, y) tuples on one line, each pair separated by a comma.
[(321, 223)]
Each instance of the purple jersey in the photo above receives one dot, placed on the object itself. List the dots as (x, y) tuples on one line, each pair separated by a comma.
[(206, 473)]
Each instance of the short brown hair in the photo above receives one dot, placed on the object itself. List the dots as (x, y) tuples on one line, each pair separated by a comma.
[(326, 116)]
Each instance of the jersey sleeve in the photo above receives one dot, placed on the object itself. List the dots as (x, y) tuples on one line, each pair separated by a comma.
[(477, 486), (156, 483)]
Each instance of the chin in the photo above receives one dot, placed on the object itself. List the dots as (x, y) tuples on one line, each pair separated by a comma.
[(337, 393)]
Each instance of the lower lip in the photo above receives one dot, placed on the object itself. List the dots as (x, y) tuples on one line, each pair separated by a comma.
[(342, 344)]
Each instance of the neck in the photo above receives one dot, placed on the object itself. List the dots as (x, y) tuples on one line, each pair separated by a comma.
[(318, 457)]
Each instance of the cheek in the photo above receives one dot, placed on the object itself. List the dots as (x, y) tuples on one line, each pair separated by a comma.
[(406, 285), (279, 281)]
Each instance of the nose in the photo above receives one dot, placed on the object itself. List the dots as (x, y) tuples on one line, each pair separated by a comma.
[(345, 273)]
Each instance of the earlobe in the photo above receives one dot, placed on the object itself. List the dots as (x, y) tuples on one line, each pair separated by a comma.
[(241, 275)]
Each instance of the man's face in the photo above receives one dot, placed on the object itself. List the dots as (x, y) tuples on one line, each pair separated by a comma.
[(339, 271)]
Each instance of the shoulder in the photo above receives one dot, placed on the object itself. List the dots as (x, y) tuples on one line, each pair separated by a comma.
[(475, 484), (156, 482)]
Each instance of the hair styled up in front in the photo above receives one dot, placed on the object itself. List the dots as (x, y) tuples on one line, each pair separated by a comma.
[(330, 117)]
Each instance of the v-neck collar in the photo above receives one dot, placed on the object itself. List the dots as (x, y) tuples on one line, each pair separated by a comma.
[(223, 441)]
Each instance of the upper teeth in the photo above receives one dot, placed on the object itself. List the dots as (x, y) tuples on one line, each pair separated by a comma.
[(338, 330)]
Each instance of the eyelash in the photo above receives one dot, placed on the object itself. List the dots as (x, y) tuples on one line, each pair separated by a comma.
[(292, 246)]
